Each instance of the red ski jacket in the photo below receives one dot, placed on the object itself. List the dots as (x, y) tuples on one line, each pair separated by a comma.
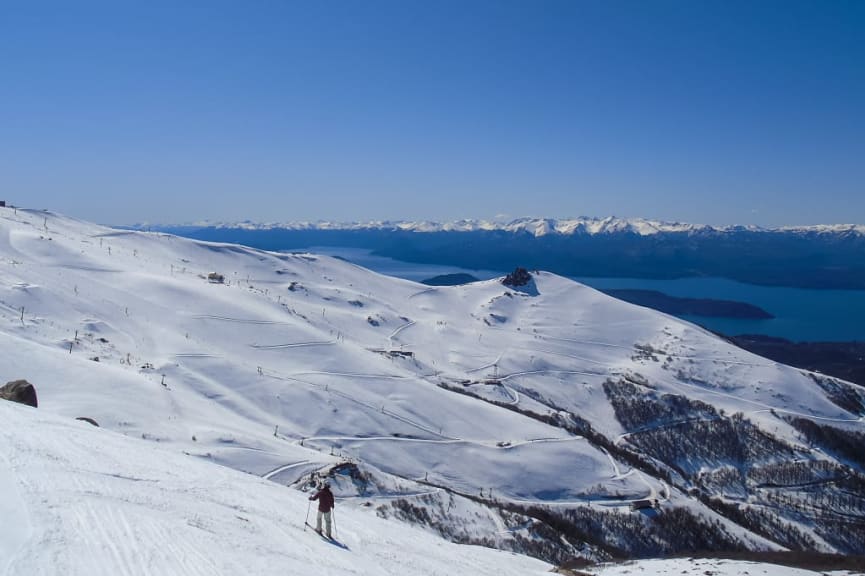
[(325, 499)]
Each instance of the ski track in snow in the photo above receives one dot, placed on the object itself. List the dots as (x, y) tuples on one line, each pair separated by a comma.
[(485, 366), (543, 336), (763, 406), (562, 354), (622, 501), (292, 345), (515, 396), (617, 473), (422, 292), (241, 320), (396, 332), (501, 527), (486, 444), (275, 471), (114, 234), (653, 493), (382, 410), (584, 342), (663, 425), (394, 496), (350, 375), (535, 372), (16, 527)]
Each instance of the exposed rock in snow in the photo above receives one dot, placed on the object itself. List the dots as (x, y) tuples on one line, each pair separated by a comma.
[(20, 391)]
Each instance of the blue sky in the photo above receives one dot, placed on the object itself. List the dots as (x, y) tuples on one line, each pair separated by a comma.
[(713, 112)]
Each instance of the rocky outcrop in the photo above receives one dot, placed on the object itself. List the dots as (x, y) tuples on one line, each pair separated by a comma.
[(20, 391), (519, 277)]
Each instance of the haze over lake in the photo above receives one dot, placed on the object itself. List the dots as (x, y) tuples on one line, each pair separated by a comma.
[(800, 314)]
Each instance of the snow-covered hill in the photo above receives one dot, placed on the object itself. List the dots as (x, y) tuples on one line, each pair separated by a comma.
[(528, 418)]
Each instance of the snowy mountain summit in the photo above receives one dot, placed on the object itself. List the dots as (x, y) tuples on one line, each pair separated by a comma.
[(555, 422)]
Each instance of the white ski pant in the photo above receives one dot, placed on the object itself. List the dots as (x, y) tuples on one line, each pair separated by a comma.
[(326, 516)]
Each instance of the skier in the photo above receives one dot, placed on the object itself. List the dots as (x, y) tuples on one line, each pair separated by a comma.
[(325, 506)]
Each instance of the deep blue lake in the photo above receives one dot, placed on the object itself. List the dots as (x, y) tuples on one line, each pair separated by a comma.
[(800, 314)]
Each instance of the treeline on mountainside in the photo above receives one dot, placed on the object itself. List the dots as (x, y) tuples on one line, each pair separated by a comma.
[(795, 473), (688, 434), (841, 393), (691, 445), (764, 522), (753, 478), (674, 530), (575, 424), (636, 408), (847, 444), (771, 499), (823, 495), (540, 540), (836, 512), (609, 534), (748, 475)]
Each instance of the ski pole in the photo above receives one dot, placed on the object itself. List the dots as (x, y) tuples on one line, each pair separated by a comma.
[(333, 516), (306, 522)]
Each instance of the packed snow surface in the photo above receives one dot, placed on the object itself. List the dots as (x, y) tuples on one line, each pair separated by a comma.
[(78, 500)]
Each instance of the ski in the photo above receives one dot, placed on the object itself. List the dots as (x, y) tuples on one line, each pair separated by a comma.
[(331, 540), (322, 534)]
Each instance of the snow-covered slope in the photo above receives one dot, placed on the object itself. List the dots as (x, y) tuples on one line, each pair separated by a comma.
[(484, 412), (79, 500)]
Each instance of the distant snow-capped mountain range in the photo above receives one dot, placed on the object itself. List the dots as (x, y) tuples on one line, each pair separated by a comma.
[(821, 256), (534, 226)]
